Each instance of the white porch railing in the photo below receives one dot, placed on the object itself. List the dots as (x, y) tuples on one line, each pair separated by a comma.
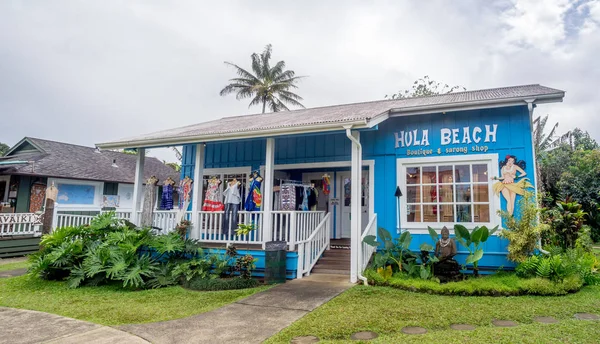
[(69, 220), (209, 228), (367, 250), (311, 249), (20, 224), (295, 226)]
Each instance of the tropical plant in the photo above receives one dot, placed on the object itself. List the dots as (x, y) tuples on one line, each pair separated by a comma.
[(566, 221), (3, 148), (425, 87), (269, 86), (391, 252), (525, 231), (183, 227), (473, 241), (559, 266)]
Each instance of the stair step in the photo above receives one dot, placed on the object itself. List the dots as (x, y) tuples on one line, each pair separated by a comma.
[(317, 270), (341, 265), (337, 253), (335, 259)]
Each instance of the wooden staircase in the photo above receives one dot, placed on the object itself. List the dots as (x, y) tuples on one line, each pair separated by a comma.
[(335, 260)]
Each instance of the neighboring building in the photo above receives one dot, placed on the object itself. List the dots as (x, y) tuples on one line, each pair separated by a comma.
[(83, 175), (441, 151)]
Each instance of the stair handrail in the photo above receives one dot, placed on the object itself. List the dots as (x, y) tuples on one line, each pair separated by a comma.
[(311, 249), (366, 251)]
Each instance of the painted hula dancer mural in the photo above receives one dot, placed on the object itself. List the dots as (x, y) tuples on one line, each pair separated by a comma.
[(506, 184)]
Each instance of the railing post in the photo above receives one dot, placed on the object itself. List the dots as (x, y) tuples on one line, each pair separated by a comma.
[(292, 235), (300, 267), (54, 216)]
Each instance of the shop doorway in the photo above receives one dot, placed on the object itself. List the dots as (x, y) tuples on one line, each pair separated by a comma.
[(345, 187)]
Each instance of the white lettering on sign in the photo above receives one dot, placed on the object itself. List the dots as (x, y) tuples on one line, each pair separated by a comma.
[(412, 138), (448, 136)]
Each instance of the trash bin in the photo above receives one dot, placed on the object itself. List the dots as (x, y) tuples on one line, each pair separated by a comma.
[(275, 254)]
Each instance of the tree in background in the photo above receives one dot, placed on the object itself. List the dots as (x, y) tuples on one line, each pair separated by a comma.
[(3, 148), (425, 87), (269, 86)]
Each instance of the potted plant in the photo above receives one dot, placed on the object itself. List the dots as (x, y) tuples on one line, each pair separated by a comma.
[(183, 227)]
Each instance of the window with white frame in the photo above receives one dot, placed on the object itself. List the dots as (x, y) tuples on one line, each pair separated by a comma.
[(450, 191)]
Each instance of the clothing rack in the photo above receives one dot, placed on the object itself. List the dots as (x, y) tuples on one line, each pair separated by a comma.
[(293, 182)]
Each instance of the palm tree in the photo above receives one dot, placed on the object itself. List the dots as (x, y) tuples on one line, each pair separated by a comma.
[(269, 86), (546, 142)]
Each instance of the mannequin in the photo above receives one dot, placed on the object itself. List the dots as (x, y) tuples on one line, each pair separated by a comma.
[(312, 197), (232, 206), (254, 199), (166, 201), (212, 199)]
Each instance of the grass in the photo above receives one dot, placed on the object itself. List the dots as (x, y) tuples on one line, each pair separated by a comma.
[(386, 311), (111, 305), (14, 266)]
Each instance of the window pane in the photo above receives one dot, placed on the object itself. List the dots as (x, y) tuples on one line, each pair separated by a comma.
[(481, 193), (429, 194), (463, 193), (445, 174), (413, 194), (430, 212), (447, 213), (414, 213), (480, 173), (413, 175), (429, 175), (446, 193), (482, 213), (463, 213), (462, 174)]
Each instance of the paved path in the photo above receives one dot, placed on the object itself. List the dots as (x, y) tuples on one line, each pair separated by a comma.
[(251, 320), (20, 326), (13, 273)]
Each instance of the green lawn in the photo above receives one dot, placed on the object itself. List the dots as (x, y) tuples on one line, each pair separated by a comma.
[(13, 266), (386, 311), (111, 305)]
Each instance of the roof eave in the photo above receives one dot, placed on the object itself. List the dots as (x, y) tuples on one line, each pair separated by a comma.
[(479, 104), (177, 141)]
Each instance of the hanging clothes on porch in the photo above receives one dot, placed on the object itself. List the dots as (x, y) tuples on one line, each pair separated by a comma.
[(166, 200), (232, 206), (287, 196), (37, 197), (326, 185), (305, 193), (254, 199), (312, 198), (212, 199)]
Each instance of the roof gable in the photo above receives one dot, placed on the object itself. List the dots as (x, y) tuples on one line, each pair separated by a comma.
[(24, 146)]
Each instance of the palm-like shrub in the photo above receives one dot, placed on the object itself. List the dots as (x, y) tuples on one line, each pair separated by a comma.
[(109, 250), (558, 266)]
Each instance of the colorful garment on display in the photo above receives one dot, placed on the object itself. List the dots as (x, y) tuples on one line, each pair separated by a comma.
[(326, 185), (287, 196), (212, 199), (254, 199), (184, 190), (304, 205), (37, 197), (166, 200)]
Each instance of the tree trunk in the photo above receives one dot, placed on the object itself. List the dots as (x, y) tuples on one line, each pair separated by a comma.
[(264, 104)]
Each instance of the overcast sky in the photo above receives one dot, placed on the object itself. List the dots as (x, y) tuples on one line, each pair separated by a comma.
[(92, 71)]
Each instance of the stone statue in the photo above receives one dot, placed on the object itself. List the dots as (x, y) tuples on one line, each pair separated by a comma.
[(447, 269), (445, 248)]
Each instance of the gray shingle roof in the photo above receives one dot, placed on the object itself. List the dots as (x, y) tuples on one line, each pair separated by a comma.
[(63, 160), (342, 114)]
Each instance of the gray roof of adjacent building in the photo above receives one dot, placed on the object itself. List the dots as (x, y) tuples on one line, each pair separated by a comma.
[(38, 157), (359, 115)]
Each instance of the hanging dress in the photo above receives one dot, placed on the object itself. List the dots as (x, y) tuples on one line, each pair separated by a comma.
[(212, 199), (166, 201), (254, 199)]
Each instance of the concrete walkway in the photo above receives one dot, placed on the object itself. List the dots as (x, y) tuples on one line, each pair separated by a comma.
[(20, 326), (251, 320)]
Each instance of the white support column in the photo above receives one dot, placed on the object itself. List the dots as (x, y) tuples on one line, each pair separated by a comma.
[(197, 190), (356, 208), (268, 191), (138, 185)]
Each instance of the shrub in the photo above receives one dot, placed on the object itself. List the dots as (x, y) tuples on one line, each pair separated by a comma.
[(566, 221), (215, 284), (110, 250), (501, 284), (524, 232), (562, 266)]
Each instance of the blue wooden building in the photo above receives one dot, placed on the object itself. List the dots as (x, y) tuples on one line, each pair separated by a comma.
[(442, 152)]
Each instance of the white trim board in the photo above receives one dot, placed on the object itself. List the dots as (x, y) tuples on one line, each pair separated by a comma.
[(416, 227)]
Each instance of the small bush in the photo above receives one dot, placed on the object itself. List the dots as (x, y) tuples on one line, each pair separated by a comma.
[(501, 284), (559, 266), (216, 284)]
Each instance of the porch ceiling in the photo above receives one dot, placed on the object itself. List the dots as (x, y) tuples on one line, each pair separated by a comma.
[(328, 118)]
